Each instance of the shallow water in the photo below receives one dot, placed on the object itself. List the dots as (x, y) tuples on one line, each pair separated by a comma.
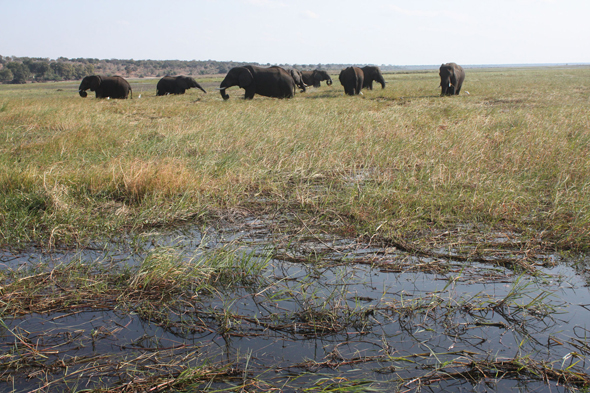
[(309, 321)]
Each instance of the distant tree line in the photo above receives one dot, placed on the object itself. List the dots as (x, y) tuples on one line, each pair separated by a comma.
[(36, 69), (32, 69), (25, 69)]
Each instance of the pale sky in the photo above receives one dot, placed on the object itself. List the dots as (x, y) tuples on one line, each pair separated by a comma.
[(378, 32)]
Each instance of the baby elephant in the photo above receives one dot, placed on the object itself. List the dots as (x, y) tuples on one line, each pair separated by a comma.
[(176, 85)]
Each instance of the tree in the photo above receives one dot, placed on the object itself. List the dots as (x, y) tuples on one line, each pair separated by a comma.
[(39, 68), (129, 69), (65, 70), (20, 72), (6, 75), (79, 71), (89, 69)]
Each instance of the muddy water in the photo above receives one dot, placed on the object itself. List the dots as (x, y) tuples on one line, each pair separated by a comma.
[(318, 319)]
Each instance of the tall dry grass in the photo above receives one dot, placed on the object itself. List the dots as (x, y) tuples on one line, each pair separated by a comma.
[(513, 153)]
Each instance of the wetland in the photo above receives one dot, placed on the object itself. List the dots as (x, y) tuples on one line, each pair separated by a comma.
[(397, 241)]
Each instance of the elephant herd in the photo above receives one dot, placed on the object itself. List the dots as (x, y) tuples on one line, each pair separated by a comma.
[(269, 81)]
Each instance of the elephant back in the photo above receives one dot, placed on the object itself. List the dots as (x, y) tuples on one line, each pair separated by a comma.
[(352, 79)]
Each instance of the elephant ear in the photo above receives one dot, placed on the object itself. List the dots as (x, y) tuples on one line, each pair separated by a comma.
[(95, 82), (245, 78), (182, 81)]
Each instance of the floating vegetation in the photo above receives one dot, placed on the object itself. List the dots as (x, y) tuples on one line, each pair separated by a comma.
[(221, 309)]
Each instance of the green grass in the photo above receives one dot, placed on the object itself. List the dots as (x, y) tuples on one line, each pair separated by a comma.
[(397, 162)]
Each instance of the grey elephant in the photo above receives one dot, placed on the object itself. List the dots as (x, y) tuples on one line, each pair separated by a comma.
[(296, 75), (352, 79), (313, 78), (298, 78), (451, 79), (105, 86), (176, 85), (372, 73), (268, 82)]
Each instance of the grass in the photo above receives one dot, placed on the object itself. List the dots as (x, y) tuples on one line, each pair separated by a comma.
[(197, 297), (394, 162), (474, 189)]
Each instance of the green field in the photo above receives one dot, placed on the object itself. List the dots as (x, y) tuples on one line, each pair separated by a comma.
[(375, 238), (397, 163)]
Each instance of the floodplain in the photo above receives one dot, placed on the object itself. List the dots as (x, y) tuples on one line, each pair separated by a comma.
[(394, 241)]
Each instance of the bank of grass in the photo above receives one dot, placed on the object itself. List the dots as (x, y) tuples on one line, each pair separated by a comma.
[(398, 162)]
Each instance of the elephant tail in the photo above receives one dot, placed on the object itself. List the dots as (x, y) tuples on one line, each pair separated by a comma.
[(131, 92)]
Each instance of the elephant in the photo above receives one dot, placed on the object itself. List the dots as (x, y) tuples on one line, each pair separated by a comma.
[(372, 73), (268, 82), (451, 79), (296, 75), (298, 78), (105, 86), (352, 79), (176, 85), (313, 78)]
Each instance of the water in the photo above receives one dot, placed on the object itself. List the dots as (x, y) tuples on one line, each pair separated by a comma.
[(302, 324)]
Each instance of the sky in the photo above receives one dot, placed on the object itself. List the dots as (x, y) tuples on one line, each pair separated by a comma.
[(381, 32)]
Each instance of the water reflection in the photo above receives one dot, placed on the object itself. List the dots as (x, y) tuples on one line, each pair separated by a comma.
[(327, 316)]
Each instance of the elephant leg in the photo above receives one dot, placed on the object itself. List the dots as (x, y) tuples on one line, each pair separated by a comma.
[(249, 93)]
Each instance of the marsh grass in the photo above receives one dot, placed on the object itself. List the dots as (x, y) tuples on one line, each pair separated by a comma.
[(399, 179), (206, 294), (512, 154)]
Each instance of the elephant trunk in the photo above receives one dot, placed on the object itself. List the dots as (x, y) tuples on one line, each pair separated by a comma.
[(225, 84), (196, 84), (329, 81), (445, 85), (223, 94), (82, 93)]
